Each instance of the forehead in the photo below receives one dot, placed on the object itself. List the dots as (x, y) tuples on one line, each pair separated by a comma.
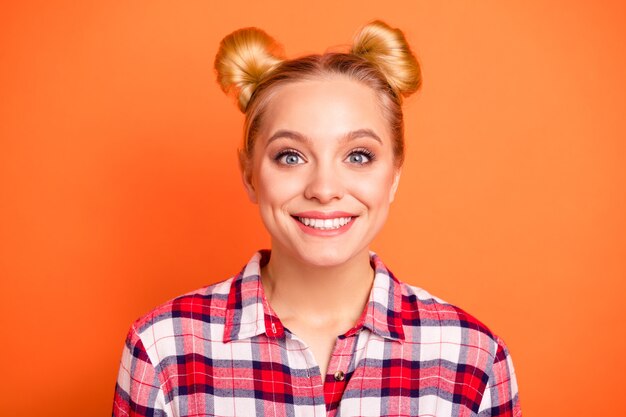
[(324, 107)]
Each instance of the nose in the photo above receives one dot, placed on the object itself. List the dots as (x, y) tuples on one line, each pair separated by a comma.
[(324, 184)]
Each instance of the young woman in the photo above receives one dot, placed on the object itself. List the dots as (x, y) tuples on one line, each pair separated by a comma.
[(318, 326)]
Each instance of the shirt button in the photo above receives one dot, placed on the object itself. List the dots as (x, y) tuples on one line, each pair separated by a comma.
[(339, 376)]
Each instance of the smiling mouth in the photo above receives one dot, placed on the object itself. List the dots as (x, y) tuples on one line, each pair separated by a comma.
[(324, 224)]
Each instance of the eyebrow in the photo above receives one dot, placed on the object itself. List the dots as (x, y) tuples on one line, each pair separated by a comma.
[(355, 134)]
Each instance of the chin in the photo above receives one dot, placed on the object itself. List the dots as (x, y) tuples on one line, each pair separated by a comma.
[(329, 256)]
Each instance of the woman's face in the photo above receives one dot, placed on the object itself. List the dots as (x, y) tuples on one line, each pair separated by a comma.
[(322, 170)]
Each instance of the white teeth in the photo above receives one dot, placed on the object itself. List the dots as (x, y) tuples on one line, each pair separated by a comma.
[(325, 224)]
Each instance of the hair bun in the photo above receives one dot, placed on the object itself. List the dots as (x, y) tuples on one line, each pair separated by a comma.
[(388, 49), (244, 58)]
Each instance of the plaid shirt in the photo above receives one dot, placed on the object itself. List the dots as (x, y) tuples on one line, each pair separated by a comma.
[(222, 351)]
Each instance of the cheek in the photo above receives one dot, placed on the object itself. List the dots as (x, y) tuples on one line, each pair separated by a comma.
[(374, 189), (276, 187)]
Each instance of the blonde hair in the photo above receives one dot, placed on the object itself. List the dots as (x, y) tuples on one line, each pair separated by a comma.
[(250, 65)]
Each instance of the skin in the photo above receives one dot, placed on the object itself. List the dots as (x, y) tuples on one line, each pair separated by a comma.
[(324, 147)]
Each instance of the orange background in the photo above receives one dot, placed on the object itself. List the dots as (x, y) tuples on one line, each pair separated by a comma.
[(120, 187)]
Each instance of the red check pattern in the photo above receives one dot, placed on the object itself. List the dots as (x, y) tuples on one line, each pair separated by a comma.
[(222, 351)]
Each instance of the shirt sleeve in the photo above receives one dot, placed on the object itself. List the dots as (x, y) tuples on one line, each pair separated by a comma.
[(138, 390), (501, 397)]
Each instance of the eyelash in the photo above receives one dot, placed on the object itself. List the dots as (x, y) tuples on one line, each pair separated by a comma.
[(286, 152), (360, 151), (366, 152)]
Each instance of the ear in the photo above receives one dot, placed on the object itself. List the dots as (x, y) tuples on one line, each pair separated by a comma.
[(394, 186), (246, 178)]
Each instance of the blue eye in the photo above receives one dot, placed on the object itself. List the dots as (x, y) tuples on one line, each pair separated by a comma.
[(360, 157), (289, 158)]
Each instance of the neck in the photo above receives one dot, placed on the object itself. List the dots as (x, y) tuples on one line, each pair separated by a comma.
[(314, 293)]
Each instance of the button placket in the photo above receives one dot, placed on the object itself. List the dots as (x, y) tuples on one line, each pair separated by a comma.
[(337, 361), (336, 378), (301, 354)]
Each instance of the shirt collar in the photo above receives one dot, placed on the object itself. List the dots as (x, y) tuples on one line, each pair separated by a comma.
[(383, 312), (249, 314)]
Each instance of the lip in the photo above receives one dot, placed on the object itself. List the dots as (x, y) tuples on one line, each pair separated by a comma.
[(324, 215)]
